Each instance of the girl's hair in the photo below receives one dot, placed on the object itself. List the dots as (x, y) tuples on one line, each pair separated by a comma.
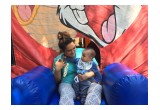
[(64, 39)]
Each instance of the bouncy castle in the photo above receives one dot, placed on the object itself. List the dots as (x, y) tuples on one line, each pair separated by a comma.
[(118, 33)]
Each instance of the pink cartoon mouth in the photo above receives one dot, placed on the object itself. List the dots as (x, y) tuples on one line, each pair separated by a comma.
[(109, 29)]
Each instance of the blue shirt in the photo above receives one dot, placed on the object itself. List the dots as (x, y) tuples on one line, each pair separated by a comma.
[(83, 67)]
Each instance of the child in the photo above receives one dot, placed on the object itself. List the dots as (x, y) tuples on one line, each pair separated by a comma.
[(85, 64)]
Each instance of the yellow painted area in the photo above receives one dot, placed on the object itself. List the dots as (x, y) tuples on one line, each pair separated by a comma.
[(44, 25), (15, 10)]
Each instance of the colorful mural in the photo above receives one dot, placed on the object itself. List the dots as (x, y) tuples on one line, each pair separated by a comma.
[(119, 31)]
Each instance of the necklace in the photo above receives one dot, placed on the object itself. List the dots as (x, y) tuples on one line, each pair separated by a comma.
[(65, 70)]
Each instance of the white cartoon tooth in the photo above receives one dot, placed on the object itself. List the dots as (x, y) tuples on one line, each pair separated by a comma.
[(79, 13), (80, 16), (79, 7)]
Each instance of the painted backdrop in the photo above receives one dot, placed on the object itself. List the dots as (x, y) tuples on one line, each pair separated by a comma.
[(119, 31)]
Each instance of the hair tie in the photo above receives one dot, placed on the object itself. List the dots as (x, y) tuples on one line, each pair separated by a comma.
[(60, 37)]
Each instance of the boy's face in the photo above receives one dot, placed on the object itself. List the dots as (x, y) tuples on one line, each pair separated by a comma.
[(85, 56)]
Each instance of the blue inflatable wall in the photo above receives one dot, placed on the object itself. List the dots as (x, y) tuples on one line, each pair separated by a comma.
[(37, 87), (33, 88), (123, 86)]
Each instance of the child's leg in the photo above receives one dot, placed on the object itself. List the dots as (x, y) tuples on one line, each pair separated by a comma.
[(84, 85), (67, 94), (94, 94), (76, 89)]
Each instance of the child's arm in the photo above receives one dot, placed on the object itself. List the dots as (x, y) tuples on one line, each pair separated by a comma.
[(98, 76), (86, 75)]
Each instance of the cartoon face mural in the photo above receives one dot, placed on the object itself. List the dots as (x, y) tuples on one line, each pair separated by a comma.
[(120, 31), (112, 25)]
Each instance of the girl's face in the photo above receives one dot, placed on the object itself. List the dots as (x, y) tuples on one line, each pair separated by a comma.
[(70, 50)]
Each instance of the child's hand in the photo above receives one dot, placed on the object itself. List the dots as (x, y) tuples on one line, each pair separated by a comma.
[(85, 76), (82, 77)]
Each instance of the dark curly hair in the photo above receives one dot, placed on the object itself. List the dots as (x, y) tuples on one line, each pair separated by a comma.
[(64, 39)]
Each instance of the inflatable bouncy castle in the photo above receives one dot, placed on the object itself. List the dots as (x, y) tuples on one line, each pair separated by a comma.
[(118, 33)]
